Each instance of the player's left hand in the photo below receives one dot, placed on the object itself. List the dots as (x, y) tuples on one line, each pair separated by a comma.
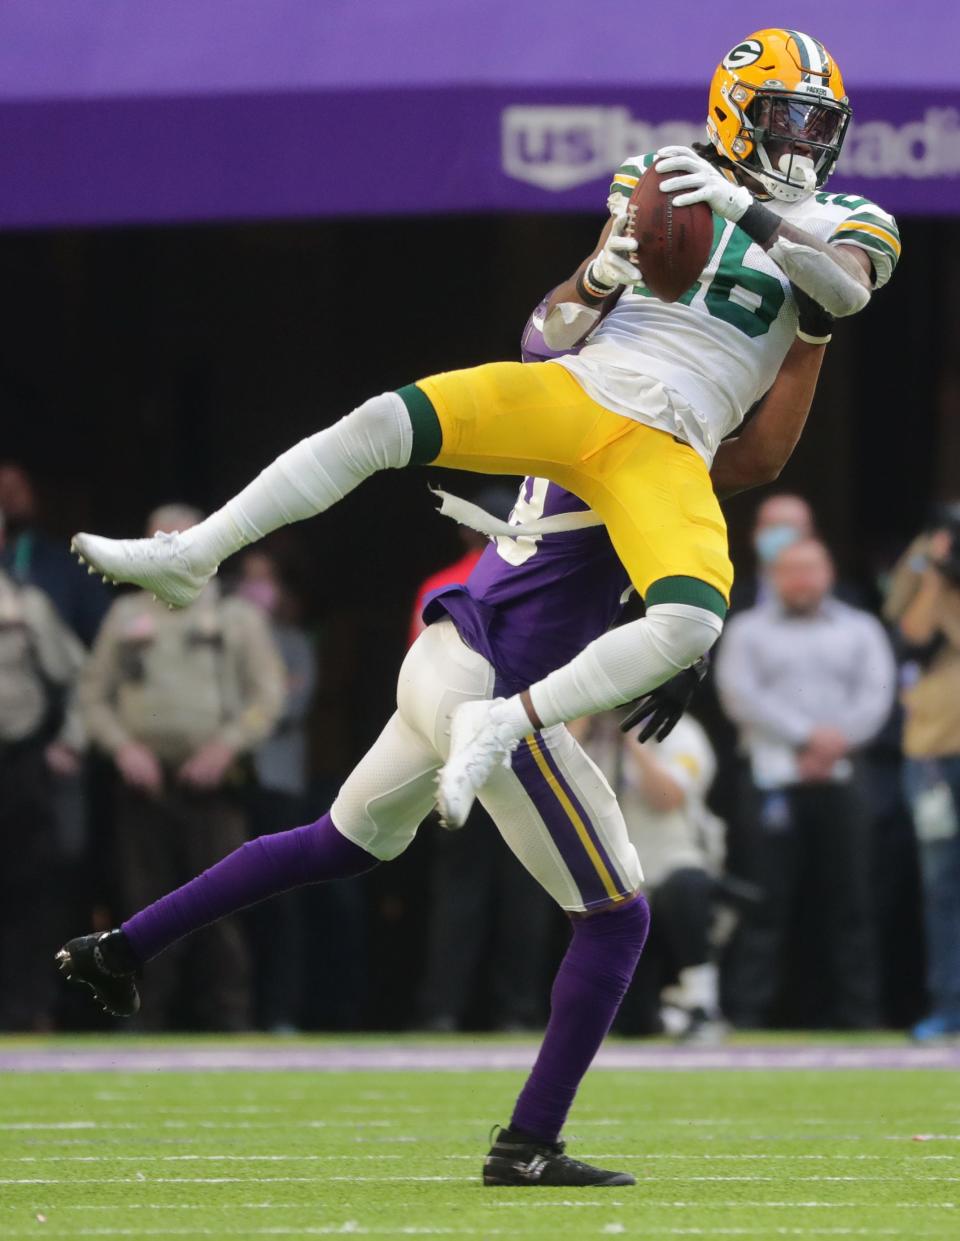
[(62, 759), (701, 183), (206, 769), (663, 706)]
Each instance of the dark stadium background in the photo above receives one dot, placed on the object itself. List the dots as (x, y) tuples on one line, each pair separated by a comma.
[(147, 364)]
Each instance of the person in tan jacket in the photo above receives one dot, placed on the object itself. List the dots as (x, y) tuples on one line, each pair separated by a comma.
[(178, 699), (40, 737), (924, 602)]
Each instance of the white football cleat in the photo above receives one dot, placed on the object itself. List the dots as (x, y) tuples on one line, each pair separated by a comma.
[(479, 741), (159, 565)]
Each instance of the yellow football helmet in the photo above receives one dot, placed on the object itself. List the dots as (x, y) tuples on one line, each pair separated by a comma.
[(778, 110)]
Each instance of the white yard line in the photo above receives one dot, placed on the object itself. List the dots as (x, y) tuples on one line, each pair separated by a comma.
[(353, 1229), (141, 1177), (524, 1203)]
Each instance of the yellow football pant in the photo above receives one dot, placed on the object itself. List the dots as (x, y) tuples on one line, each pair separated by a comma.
[(652, 492)]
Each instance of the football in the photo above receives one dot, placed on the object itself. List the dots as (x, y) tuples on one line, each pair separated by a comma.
[(673, 243)]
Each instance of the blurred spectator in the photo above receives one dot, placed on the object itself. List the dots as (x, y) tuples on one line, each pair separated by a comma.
[(662, 788), (280, 766), (32, 558), (924, 600), (779, 521), (40, 734), (178, 698), (482, 901), (808, 680)]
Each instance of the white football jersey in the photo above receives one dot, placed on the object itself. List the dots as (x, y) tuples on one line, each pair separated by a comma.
[(721, 344)]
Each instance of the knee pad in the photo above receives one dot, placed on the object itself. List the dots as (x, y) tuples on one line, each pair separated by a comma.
[(682, 633)]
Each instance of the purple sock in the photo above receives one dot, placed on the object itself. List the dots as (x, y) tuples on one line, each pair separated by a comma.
[(592, 980), (258, 869)]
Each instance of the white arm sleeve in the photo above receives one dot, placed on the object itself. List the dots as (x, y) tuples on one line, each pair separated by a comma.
[(567, 324), (822, 277)]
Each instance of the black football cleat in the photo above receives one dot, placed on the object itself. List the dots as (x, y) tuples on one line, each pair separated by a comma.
[(516, 1159), (105, 963)]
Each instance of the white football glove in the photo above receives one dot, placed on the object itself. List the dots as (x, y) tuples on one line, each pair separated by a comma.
[(701, 183), (612, 265)]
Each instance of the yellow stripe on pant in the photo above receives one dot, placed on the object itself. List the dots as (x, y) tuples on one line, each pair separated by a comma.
[(610, 887), (652, 492)]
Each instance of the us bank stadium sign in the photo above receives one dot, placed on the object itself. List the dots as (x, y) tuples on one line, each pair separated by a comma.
[(558, 147)]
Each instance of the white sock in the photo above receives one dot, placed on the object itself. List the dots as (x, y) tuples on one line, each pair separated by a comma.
[(513, 714), (626, 662), (699, 987), (306, 479)]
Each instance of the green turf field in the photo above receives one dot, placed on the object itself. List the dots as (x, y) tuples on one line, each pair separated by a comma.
[(732, 1153)]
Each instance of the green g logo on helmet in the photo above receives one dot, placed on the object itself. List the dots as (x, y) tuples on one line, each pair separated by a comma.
[(745, 53)]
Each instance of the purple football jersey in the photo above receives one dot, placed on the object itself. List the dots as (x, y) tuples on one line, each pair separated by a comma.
[(530, 617), (530, 605)]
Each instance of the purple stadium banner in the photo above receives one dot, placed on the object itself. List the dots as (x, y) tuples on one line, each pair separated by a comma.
[(217, 110)]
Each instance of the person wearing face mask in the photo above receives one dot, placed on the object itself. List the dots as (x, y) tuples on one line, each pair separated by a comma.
[(808, 681), (780, 520)]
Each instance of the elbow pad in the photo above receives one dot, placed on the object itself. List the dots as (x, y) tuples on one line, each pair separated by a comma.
[(820, 276), (567, 324)]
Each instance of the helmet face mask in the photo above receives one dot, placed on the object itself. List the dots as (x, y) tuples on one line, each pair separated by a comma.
[(777, 110), (796, 139)]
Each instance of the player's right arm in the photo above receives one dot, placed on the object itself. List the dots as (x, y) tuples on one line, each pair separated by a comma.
[(579, 302)]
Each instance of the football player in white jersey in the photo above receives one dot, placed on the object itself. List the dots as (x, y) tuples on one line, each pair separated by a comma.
[(630, 425)]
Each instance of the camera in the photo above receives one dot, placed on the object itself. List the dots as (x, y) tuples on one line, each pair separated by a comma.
[(947, 517)]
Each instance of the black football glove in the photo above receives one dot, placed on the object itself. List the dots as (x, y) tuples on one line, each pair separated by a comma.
[(814, 325), (663, 706)]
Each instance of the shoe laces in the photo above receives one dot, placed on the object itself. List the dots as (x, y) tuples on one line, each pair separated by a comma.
[(491, 743)]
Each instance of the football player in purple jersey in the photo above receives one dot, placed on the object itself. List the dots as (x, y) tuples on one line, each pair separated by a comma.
[(531, 604)]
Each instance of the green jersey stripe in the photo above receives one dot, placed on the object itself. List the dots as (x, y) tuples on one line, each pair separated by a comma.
[(868, 241), (887, 223)]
